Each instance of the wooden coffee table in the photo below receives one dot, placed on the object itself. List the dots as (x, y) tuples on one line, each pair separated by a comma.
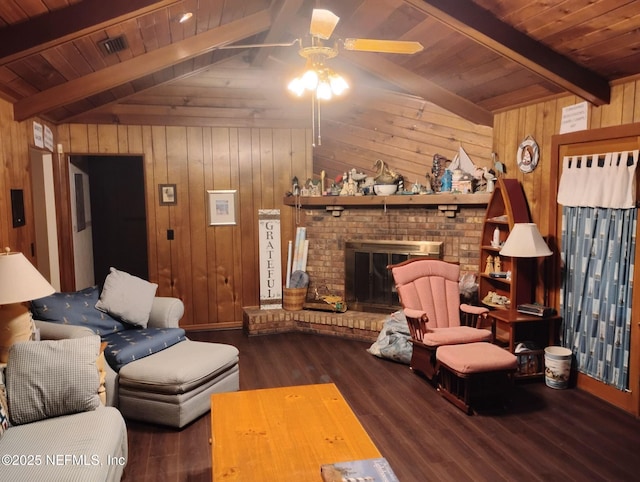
[(284, 434)]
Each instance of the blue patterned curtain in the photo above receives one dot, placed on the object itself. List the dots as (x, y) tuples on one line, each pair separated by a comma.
[(598, 246)]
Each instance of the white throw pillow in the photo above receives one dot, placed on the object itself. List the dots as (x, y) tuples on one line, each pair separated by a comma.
[(127, 297), (52, 378)]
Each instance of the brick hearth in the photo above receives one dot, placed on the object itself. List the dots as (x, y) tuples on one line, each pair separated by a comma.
[(351, 324)]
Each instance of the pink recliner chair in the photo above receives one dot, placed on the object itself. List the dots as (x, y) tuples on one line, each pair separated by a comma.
[(430, 295)]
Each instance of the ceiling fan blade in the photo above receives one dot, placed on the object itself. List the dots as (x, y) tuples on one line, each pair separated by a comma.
[(322, 23), (252, 46), (383, 46)]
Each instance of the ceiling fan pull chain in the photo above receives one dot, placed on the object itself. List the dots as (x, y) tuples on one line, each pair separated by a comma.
[(319, 134), (313, 120)]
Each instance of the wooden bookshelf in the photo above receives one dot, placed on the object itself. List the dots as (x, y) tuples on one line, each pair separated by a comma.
[(506, 207)]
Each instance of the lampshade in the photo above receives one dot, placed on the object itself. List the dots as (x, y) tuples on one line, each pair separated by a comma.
[(525, 241), (20, 280)]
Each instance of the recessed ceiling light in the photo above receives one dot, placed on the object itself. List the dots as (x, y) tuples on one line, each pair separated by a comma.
[(185, 16)]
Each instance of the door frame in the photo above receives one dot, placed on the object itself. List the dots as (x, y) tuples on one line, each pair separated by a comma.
[(605, 140)]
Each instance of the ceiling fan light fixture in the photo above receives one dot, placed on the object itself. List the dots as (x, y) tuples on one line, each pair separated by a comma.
[(322, 82), (296, 87), (323, 92), (310, 79), (338, 84)]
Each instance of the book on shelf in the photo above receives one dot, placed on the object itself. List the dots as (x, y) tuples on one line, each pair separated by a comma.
[(367, 470)]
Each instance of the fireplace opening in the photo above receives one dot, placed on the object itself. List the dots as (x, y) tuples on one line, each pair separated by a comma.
[(368, 283)]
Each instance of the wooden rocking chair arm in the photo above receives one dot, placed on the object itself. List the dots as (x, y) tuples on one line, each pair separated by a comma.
[(474, 310), (417, 321), (476, 316), (415, 314)]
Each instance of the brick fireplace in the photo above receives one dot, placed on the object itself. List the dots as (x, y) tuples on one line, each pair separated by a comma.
[(328, 235)]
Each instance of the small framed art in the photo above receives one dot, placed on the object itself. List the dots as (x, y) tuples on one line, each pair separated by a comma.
[(167, 194), (221, 207)]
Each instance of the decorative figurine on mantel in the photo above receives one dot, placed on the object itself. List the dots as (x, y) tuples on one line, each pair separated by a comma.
[(385, 174), (437, 169), (345, 185), (428, 187), (315, 188), (358, 178), (446, 181), (490, 178), (351, 186)]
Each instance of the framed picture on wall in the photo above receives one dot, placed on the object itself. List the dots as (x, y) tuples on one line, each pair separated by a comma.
[(221, 207), (167, 194)]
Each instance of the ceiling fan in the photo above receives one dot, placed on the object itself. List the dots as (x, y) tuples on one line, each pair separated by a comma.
[(315, 47), (322, 81)]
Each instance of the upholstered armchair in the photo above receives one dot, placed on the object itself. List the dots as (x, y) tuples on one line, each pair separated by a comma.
[(430, 295)]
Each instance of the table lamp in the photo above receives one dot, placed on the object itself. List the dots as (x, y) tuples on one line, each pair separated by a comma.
[(525, 241), (20, 281)]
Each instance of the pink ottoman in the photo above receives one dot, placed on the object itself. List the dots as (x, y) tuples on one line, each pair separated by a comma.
[(474, 373)]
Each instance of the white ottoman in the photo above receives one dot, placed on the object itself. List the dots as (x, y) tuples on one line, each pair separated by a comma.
[(173, 386)]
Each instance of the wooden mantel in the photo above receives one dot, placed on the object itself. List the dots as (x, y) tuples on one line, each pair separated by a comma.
[(474, 199), (446, 202)]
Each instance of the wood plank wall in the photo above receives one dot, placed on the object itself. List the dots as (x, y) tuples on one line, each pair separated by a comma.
[(16, 138), (213, 269), (403, 130)]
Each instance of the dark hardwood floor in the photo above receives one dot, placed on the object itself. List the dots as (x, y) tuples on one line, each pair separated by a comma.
[(545, 434)]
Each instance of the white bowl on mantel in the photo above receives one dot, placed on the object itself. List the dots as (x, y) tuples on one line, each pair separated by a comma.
[(385, 189)]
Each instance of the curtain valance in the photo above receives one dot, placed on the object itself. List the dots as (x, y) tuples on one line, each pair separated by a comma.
[(599, 180)]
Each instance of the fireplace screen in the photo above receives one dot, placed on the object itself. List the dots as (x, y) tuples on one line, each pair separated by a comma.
[(368, 283)]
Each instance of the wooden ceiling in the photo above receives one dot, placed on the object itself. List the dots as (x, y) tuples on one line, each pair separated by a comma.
[(479, 56)]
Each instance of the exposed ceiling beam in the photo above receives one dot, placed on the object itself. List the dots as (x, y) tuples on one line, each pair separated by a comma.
[(283, 13), (140, 116), (419, 86), (44, 31), (106, 108), (164, 111), (137, 67), (466, 17)]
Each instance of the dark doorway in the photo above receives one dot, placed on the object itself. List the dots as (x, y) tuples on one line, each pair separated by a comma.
[(118, 213)]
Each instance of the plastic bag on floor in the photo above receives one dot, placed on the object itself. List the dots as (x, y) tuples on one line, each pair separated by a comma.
[(393, 341)]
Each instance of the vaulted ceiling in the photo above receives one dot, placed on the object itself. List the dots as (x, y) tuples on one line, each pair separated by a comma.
[(479, 57)]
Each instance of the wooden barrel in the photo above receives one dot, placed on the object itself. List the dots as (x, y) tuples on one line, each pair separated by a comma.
[(293, 298)]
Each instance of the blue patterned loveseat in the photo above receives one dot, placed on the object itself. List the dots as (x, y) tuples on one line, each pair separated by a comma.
[(125, 342), (154, 372)]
